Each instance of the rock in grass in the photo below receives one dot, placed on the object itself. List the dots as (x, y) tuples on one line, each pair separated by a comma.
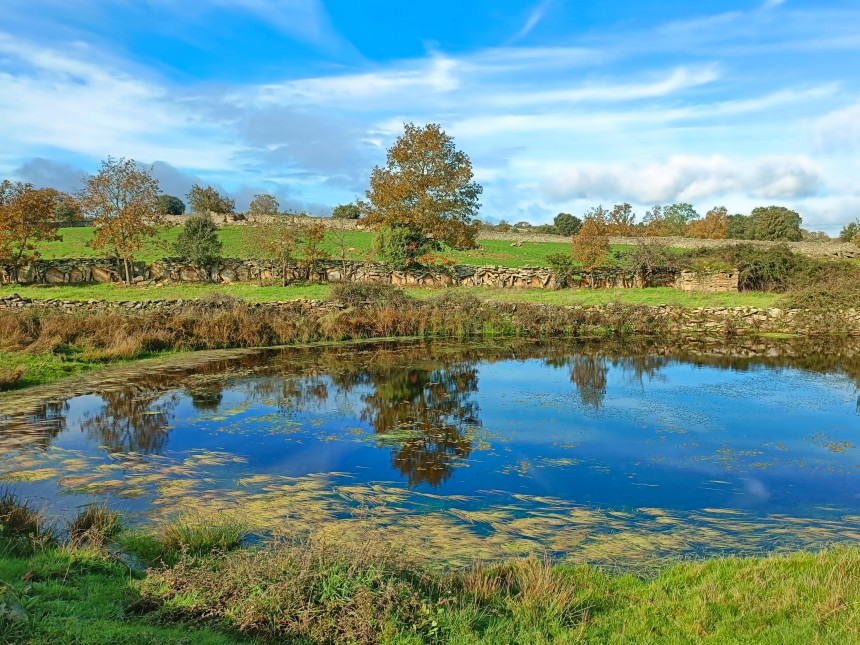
[(11, 609)]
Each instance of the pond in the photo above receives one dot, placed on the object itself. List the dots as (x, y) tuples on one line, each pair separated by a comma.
[(600, 453)]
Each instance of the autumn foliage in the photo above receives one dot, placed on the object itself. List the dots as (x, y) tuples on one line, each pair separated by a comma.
[(425, 185), (27, 217), (123, 201), (590, 246)]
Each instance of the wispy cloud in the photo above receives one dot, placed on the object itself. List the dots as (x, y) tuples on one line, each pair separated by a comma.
[(534, 17)]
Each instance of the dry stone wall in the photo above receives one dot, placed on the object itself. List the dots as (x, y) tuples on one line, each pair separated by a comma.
[(245, 270), (674, 320)]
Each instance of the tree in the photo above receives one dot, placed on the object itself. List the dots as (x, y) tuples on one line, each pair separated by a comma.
[(713, 226), (27, 216), (677, 217), (346, 211), (208, 200), (775, 223), (621, 219), (123, 201), (312, 237), (850, 231), (426, 186), (67, 210), (654, 223), (198, 241), (738, 227), (170, 205), (263, 207), (591, 245), (567, 224), (278, 241)]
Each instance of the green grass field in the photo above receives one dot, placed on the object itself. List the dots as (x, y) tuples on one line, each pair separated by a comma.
[(236, 245), (252, 292)]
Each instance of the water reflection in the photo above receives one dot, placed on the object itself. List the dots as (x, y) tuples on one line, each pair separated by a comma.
[(420, 401)]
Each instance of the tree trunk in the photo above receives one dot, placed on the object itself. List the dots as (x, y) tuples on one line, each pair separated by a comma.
[(127, 272)]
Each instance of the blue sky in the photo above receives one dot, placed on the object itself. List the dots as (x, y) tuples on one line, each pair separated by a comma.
[(561, 104)]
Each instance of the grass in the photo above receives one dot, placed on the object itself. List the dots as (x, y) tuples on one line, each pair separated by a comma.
[(361, 591), (234, 240), (116, 292), (252, 292)]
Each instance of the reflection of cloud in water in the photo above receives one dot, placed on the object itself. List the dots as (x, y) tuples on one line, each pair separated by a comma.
[(756, 488)]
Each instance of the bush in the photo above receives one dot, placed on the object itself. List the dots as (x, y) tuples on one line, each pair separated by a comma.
[(400, 247), (198, 242), (378, 293)]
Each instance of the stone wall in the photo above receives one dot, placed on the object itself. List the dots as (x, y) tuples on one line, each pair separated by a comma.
[(674, 320), (247, 270)]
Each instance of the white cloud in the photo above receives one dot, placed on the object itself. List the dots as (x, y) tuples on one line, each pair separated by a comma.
[(839, 129), (684, 178)]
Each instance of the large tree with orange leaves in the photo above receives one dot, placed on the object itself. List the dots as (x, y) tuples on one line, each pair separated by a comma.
[(27, 216), (712, 227), (123, 201), (425, 185)]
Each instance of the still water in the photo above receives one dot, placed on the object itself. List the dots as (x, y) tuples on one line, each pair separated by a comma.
[(597, 453)]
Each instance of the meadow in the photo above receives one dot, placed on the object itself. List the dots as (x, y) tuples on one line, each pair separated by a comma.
[(236, 245)]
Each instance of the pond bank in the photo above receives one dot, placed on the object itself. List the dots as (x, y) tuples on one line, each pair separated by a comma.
[(43, 340)]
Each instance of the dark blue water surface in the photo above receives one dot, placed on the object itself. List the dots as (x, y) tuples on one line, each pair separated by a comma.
[(597, 452)]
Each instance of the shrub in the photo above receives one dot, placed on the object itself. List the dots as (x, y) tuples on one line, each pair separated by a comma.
[(198, 242), (378, 293), (400, 247)]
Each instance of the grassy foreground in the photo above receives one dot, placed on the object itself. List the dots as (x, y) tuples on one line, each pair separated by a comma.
[(200, 588)]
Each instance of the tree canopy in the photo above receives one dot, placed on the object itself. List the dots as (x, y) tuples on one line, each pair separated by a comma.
[(775, 223), (170, 205), (263, 206), (346, 211), (206, 200), (425, 185), (567, 224), (27, 216), (123, 200)]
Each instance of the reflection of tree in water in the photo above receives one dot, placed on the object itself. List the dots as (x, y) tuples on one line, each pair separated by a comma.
[(427, 413), (589, 372), (37, 430), (422, 409), (131, 420), (205, 400)]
